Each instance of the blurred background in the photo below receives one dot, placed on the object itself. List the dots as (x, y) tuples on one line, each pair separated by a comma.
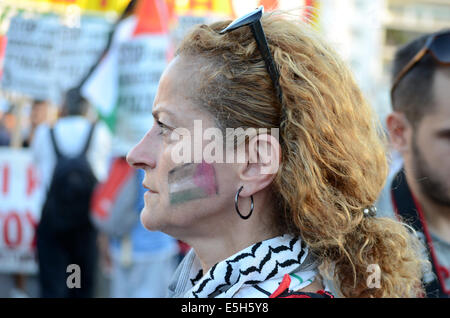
[(114, 51)]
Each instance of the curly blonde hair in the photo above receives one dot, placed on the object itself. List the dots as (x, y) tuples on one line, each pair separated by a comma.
[(333, 151)]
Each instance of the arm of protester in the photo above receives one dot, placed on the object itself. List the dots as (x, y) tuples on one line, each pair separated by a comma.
[(100, 152), (42, 154)]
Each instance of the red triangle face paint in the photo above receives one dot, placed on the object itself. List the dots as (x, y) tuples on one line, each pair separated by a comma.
[(205, 178)]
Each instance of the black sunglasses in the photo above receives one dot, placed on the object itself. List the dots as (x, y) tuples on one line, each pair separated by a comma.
[(438, 45), (252, 19)]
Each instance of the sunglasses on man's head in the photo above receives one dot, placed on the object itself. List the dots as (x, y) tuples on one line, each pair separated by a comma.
[(438, 45), (252, 19)]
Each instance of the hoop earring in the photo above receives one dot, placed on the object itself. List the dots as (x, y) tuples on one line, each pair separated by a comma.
[(236, 198)]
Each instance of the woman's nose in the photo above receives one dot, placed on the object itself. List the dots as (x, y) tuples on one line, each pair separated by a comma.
[(141, 155)]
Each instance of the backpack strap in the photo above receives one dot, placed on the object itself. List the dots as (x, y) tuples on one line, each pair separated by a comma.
[(55, 145), (88, 141)]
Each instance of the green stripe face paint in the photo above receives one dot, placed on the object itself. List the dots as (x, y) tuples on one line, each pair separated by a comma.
[(192, 181)]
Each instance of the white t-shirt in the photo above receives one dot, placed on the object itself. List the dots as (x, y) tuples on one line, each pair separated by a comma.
[(71, 135)]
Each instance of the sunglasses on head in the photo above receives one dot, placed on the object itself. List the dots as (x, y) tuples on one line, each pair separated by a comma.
[(438, 45), (252, 19)]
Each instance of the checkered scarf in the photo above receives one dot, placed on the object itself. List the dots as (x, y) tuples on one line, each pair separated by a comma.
[(255, 271)]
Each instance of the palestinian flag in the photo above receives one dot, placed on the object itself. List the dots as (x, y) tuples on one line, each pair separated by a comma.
[(192, 181)]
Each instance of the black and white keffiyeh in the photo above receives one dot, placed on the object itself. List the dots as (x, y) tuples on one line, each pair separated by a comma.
[(253, 272)]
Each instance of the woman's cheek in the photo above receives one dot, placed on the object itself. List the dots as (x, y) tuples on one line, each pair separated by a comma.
[(191, 181)]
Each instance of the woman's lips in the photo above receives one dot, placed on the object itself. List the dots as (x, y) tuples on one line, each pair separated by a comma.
[(149, 189), (149, 194)]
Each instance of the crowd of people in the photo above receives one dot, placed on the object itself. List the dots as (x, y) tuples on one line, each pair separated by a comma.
[(313, 228)]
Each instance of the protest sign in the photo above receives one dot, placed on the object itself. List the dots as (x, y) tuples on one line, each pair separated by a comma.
[(30, 50), (129, 74), (101, 88), (190, 13), (141, 62), (77, 50), (21, 197), (44, 58)]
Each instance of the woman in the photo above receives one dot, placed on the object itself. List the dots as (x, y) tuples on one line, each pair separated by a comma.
[(279, 233)]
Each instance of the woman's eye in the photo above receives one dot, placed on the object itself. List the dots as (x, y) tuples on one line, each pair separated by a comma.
[(162, 128), (162, 131)]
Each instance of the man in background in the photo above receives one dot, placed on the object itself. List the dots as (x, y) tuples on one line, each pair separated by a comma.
[(419, 129), (72, 136), (38, 116)]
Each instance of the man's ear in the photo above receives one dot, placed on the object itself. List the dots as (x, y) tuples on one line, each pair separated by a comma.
[(400, 131), (264, 156)]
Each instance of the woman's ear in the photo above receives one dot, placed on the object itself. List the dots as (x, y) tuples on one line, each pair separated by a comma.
[(264, 156)]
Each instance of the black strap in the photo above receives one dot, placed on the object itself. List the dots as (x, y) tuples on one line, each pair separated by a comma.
[(88, 141), (86, 146), (55, 145), (405, 207)]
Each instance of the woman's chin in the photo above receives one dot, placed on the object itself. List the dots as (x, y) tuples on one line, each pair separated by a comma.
[(149, 220)]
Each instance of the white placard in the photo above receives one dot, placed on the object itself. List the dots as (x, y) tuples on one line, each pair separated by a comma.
[(101, 89), (141, 62), (76, 52), (44, 58), (29, 57), (21, 197)]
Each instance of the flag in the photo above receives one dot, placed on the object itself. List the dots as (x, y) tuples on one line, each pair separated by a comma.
[(101, 89), (152, 17)]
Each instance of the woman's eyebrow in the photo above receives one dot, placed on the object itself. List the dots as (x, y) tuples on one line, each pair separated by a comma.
[(171, 116), (156, 112)]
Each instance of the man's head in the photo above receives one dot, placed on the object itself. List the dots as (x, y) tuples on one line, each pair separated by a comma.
[(39, 110), (75, 104), (419, 126)]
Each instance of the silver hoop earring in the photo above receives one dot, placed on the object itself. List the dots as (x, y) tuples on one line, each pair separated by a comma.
[(236, 199)]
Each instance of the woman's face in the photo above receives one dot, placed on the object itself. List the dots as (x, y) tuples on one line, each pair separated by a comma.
[(181, 196)]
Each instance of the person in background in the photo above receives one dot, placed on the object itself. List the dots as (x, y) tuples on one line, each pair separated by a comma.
[(38, 116), (17, 285), (142, 261), (4, 133), (73, 134), (139, 263), (7, 123), (419, 128)]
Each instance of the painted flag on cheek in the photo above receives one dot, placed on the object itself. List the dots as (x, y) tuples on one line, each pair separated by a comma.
[(191, 181)]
